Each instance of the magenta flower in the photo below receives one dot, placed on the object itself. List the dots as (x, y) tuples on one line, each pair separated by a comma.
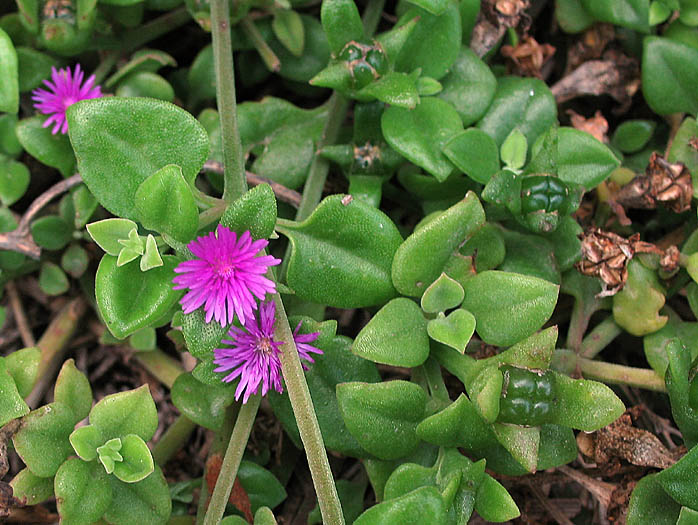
[(66, 89), (226, 276), (254, 356)]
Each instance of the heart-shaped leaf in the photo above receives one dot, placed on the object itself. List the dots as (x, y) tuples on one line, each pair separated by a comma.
[(454, 330), (120, 142), (443, 294), (129, 412), (73, 390), (396, 335), (130, 299)]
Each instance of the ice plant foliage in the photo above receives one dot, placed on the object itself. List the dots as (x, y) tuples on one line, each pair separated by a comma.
[(254, 355), (225, 276), (65, 89)]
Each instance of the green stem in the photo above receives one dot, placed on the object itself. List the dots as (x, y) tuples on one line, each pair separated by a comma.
[(372, 16), (105, 66), (231, 461), (160, 26), (265, 52), (173, 439), (233, 163), (567, 361), (435, 380), (599, 338), (161, 366), (218, 448), (304, 412)]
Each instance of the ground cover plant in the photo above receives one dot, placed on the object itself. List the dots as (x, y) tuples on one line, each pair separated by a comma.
[(302, 261)]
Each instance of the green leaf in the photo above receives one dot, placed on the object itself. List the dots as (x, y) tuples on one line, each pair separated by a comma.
[(123, 413), (85, 441), (585, 405), (396, 89), (474, 153), (151, 258), (316, 53), (14, 180), (51, 232), (203, 404), (12, 405), (443, 34), (636, 307), (582, 159), (682, 151), (31, 489), (678, 480), (632, 135), (120, 142), (137, 461), (254, 211), (9, 89), (443, 294), (165, 203), (523, 304), (513, 150), (75, 261), (526, 103), (73, 390), (486, 246), (383, 416), (521, 442), (33, 68), (529, 255), (423, 505), (130, 299), (342, 254), (42, 441), (141, 60), (571, 16), (23, 366), (109, 454), (201, 337), (419, 134), (9, 145), (108, 232), (454, 330), (47, 148), (396, 335), (337, 365), (288, 28), (435, 7), (262, 487), (52, 280), (650, 504), (633, 14), (669, 76), (82, 490), (145, 502), (341, 23), (146, 84), (422, 257)]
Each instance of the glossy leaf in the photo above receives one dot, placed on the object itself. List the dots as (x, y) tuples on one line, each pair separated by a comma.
[(383, 416), (633, 14), (117, 288), (108, 232), (82, 490), (396, 89), (73, 390), (423, 505), (120, 142), (262, 487), (469, 86), (203, 404), (632, 135), (669, 76), (474, 153), (650, 504), (454, 330), (23, 366), (419, 134), (288, 28), (9, 89), (341, 22), (165, 203), (49, 149), (443, 294), (137, 461), (421, 258), (146, 84), (396, 335), (523, 304), (335, 261), (526, 103), (42, 441), (636, 307), (85, 441), (583, 160), (123, 413), (14, 180)]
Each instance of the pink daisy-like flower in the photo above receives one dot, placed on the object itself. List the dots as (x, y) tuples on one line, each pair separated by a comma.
[(254, 356), (226, 276), (66, 89)]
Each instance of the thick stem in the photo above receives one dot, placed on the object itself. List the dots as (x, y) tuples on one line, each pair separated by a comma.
[(161, 366), (173, 439), (303, 410), (599, 338), (233, 163), (435, 380), (231, 461), (105, 66), (53, 345)]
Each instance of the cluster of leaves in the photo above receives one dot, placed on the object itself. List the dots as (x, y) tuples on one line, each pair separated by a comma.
[(459, 230)]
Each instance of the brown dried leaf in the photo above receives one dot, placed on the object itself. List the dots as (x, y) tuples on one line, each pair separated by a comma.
[(621, 440), (590, 45), (596, 126), (528, 57), (606, 255), (238, 496), (662, 182)]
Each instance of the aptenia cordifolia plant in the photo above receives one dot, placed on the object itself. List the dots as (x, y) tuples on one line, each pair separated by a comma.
[(462, 286)]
